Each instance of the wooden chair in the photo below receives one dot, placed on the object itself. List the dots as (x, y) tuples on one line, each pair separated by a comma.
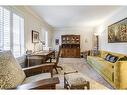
[(56, 61), (46, 83), (12, 76)]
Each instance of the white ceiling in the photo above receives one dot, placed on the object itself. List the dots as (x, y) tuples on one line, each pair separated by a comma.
[(66, 16)]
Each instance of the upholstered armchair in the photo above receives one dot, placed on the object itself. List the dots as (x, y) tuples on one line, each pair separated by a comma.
[(12, 76)]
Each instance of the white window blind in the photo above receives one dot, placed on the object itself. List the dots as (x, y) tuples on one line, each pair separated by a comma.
[(4, 29), (46, 38), (18, 33), (11, 36)]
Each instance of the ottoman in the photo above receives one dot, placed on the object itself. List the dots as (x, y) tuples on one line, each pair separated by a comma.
[(75, 80)]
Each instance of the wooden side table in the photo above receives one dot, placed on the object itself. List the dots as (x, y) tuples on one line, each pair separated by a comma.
[(34, 60)]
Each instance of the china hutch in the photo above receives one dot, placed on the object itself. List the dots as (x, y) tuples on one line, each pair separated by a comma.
[(70, 46)]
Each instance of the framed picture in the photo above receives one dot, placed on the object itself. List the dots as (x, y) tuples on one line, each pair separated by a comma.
[(57, 41), (35, 36), (117, 32)]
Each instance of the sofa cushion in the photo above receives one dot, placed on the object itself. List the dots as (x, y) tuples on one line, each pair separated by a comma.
[(104, 63), (104, 53), (100, 63), (11, 74), (94, 58), (37, 77)]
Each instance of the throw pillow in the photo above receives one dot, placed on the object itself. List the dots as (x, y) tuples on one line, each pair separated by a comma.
[(107, 57), (113, 59), (123, 58)]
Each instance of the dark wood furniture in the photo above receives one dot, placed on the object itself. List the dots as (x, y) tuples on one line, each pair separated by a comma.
[(70, 46), (57, 61), (67, 85), (39, 57), (49, 83), (33, 70)]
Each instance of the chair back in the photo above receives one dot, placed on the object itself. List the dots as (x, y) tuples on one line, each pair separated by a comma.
[(58, 55), (11, 73)]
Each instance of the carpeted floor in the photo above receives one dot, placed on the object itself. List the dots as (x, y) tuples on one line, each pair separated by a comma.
[(80, 64)]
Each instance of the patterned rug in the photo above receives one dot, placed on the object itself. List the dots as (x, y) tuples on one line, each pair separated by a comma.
[(80, 64)]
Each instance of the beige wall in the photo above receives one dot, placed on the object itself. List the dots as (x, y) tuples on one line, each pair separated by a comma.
[(103, 33), (86, 36)]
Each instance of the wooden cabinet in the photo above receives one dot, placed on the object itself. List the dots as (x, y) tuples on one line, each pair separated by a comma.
[(70, 46)]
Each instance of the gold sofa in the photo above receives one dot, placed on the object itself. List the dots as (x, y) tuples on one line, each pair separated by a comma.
[(114, 73)]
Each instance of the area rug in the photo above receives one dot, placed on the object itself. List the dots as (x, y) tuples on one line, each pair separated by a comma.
[(79, 64)]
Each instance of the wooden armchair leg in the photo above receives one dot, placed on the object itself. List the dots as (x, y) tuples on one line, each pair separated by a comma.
[(60, 67), (56, 70)]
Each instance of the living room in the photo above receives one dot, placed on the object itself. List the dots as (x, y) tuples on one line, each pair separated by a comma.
[(30, 30)]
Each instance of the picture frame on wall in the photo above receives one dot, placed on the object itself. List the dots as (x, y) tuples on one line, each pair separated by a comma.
[(35, 36), (57, 41), (117, 32)]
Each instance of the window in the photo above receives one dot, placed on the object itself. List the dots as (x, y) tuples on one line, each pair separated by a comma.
[(18, 35), (46, 38), (11, 32), (4, 29)]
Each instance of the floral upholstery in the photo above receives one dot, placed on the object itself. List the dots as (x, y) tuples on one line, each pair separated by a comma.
[(11, 74), (75, 79)]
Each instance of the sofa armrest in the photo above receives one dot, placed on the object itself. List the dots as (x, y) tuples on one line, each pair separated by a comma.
[(123, 74), (120, 72), (30, 71), (49, 83)]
